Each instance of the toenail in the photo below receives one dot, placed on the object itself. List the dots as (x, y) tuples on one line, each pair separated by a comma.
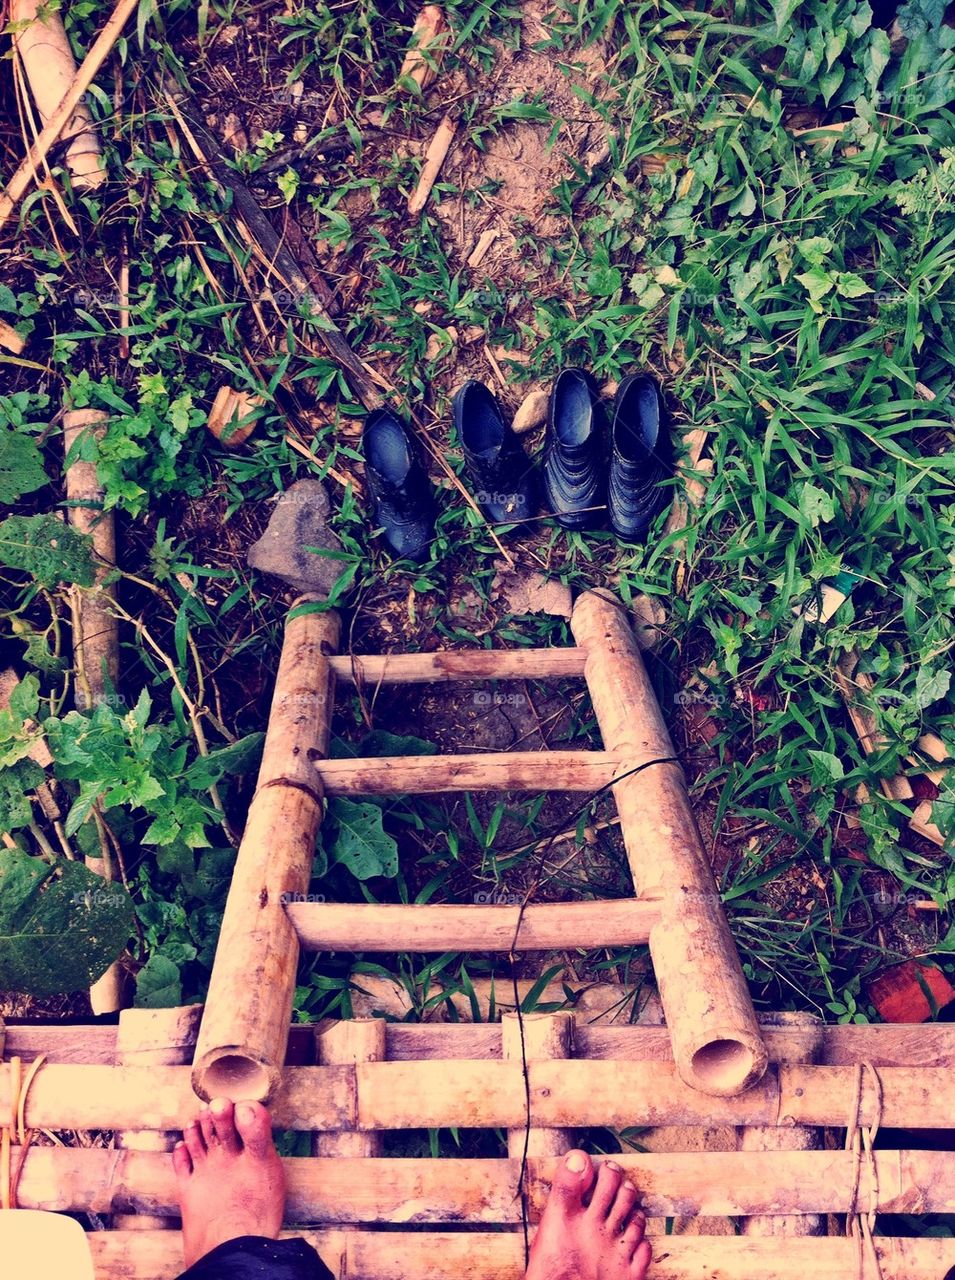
[(245, 1113), (612, 1164), (576, 1162), (220, 1106)]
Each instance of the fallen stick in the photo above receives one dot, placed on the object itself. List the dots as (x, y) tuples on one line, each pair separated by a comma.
[(27, 172), (50, 69), (95, 628), (304, 284), (433, 160)]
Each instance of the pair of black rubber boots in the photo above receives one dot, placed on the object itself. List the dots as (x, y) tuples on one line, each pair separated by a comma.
[(582, 478)]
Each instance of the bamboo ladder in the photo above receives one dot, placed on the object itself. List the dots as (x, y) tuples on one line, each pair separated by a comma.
[(780, 1079), (717, 1044)]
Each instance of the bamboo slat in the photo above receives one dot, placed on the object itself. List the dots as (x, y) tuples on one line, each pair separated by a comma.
[(459, 664), (489, 1255), (244, 1030), (487, 1094), (356, 1190), (346, 1044), (716, 1039), (530, 1037), (346, 926), (153, 1037), (795, 1138), (488, 771), (884, 1045)]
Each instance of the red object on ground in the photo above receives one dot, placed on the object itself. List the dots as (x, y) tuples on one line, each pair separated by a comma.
[(899, 996)]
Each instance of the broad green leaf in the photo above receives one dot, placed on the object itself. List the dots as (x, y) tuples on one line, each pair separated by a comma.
[(931, 686), (360, 841), (816, 505), (60, 926), (48, 549), (21, 465), (158, 984), (826, 767)]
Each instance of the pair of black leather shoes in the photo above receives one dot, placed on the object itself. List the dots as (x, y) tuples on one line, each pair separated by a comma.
[(499, 471), (579, 484)]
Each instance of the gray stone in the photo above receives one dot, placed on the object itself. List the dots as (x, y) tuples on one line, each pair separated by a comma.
[(300, 520)]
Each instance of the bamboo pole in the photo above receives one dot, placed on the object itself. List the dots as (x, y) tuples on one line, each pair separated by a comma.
[(153, 1037), (882, 1044), (50, 70), (717, 1044), (346, 926), (487, 1094), (530, 1037), (758, 1139), (95, 627), (459, 664), (99, 52), (490, 771), (352, 1189), (490, 1255), (244, 1030), (346, 1044)]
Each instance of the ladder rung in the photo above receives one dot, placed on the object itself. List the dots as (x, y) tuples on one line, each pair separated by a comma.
[(459, 664), (484, 771), (363, 926)]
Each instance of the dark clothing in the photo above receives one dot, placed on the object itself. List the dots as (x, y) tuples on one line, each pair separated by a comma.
[(256, 1258)]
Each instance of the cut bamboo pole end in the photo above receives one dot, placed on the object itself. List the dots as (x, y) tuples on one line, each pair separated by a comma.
[(717, 1045), (244, 1030)]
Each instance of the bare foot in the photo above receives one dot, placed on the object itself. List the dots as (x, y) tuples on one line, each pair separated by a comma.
[(230, 1179), (591, 1228)]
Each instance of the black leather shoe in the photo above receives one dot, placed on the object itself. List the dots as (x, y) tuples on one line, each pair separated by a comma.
[(640, 458), (497, 466), (574, 471), (398, 485)]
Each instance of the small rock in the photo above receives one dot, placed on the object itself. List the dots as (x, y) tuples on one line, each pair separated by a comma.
[(440, 342), (422, 308), (532, 413), (233, 134), (609, 389), (899, 996), (299, 521), (649, 617)]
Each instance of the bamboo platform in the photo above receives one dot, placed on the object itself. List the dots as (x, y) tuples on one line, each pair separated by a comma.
[(805, 1100), (355, 1081)]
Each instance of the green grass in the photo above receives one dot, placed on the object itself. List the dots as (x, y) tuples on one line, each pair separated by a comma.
[(793, 292)]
